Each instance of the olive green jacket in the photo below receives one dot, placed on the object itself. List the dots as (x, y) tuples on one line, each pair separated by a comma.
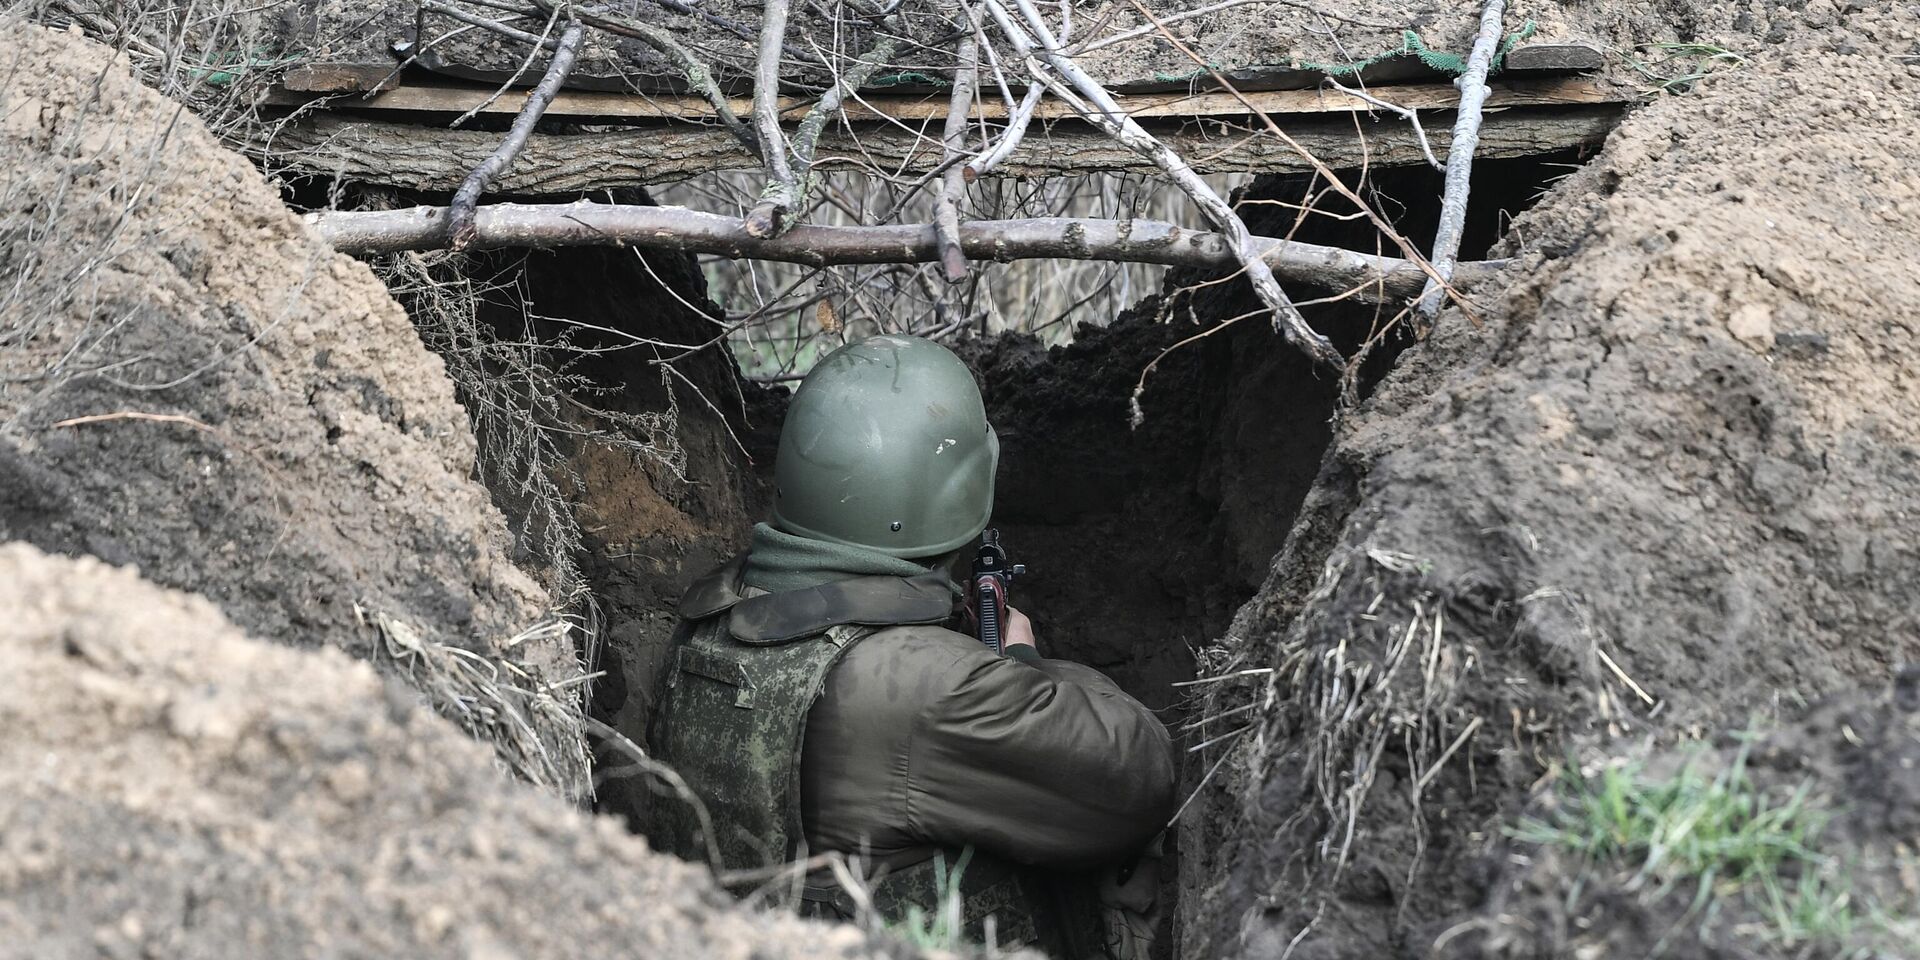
[(922, 739)]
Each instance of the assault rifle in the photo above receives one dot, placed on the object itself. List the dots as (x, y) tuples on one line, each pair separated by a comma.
[(993, 573)]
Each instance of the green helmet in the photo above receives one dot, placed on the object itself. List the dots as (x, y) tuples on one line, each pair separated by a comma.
[(887, 446)]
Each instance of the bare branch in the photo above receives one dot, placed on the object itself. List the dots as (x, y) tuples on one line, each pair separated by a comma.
[(467, 198), (953, 183), (1057, 70), (677, 228), (788, 185), (1339, 186), (781, 190), (1466, 138), (1098, 42), (546, 43), (1009, 141)]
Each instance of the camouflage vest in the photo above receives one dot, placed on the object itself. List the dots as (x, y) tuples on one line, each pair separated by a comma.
[(731, 724), (731, 720)]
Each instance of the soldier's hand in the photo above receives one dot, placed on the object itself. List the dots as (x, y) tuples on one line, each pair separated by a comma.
[(1019, 631)]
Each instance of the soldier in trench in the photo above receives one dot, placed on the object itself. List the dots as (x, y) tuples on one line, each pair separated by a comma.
[(818, 699)]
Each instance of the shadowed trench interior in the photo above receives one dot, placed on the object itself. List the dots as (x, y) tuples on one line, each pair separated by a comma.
[(1141, 541)]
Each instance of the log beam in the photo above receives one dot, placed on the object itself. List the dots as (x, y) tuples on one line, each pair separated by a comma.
[(692, 231), (424, 101), (435, 159)]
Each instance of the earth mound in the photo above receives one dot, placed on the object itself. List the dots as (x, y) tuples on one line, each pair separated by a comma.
[(1660, 484), (170, 787), (191, 383)]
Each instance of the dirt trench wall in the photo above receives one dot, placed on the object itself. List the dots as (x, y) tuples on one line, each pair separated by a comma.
[(1666, 484), (650, 521), (170, 787), (191, 383)]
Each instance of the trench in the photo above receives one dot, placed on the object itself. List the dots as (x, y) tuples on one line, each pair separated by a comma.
[(1141, 543)]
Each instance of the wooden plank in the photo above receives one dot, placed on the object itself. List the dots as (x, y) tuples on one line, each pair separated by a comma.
[(323, 78), (435, 159), (586, 106), (1555, 57)]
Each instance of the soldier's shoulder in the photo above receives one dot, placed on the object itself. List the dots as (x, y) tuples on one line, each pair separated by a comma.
[(922, 648)]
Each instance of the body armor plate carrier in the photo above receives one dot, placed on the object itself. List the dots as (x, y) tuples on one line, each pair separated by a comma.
[(731, 722)]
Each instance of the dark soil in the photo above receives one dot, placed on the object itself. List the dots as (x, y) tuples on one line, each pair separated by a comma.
[(647, 530)]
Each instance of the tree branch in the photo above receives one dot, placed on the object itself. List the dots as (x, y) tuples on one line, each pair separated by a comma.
[(1009, 141), (677, 228), (467, 198), (779, 195), (1058, 71), (1466, 138), (953, 183), (770, 217), (495, 26)]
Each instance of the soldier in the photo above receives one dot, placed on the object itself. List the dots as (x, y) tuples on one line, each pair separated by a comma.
[(817, 701)]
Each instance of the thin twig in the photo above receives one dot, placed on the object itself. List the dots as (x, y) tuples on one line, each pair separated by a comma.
[(136, 415), (466, 200), (1097, 42), (771, 216), (1466, 139), (1017, 123), (1202, 785), (546, 43), (1406, 113), (671, 778), (1326, 173), (953, 184)]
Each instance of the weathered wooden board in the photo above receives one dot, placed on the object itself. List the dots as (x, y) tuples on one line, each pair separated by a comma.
[(585, 106), (435, 159)]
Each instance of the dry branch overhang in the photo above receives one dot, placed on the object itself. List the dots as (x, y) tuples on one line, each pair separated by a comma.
[(399, 138), (1370, 277)]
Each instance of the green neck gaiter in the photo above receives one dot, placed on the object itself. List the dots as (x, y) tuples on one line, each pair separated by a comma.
[(778, 561)]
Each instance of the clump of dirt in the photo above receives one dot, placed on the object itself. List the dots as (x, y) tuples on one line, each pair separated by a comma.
[(194, 384), (170, 787), (1659, 487)]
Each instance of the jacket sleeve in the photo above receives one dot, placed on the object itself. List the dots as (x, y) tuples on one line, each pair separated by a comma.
[(1044, 762)]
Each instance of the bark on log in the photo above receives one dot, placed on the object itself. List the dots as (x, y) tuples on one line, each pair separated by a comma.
[(429, 158), (692, 231), (436, 159)]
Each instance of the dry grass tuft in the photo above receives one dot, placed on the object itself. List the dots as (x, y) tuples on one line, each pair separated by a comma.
[(495, 699)]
